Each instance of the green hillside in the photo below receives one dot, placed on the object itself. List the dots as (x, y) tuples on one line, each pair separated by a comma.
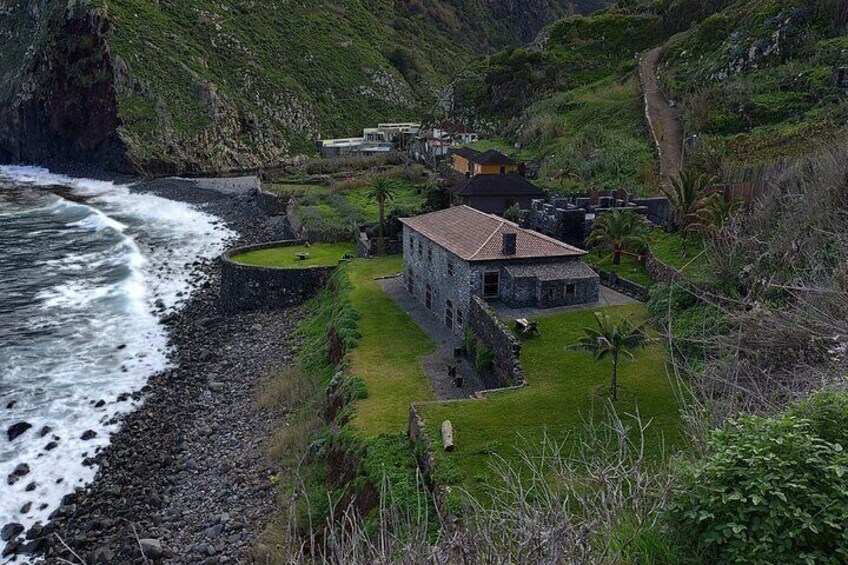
[(758, 78), (572, 104), (232, 84)]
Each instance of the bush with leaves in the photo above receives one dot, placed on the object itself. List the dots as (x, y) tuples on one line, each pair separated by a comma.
[(769, 491), (827, 411)]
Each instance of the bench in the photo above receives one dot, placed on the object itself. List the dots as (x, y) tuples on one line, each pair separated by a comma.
[(526, 326), (302, 256)]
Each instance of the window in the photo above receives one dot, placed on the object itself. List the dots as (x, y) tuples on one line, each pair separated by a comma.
[(411, 243), (503, 170), (410, 281), (428, 297), (449, 314), (450, 267), (459, 319), (570, 290), (429, 254), (420, 248), (491, 284)]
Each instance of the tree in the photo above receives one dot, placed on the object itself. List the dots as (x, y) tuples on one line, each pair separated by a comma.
[(619, 231), (689, 195), (382, 190), (612, 338), (715, 214)]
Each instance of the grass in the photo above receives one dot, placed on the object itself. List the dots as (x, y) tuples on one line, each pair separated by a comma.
[(320, 254), (388, 355), (564, 388), (630, 268)]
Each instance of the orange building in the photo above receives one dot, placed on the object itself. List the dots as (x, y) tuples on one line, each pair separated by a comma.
[(469, 162)]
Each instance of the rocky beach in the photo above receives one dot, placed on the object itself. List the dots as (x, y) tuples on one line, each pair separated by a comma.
[(186, 478)]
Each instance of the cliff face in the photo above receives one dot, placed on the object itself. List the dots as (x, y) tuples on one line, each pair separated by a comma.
[(167, 86)]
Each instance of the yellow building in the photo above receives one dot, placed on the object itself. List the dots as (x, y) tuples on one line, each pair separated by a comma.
[(469, 162)]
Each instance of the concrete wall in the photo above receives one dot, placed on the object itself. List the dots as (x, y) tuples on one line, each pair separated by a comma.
[(624, 286), (504, 346), (248, 287)]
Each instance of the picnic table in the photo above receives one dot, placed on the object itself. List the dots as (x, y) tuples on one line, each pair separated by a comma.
[(527, 327)]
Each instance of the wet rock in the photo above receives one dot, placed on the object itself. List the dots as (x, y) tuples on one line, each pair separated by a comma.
[(151, 548), (16, 430), (31, 487), (11, 404), (11, 548), (51, 446), (38, 545), (44, 431), (22, 470), (100, 403), (88, 434), (26, 508), (10, 531)]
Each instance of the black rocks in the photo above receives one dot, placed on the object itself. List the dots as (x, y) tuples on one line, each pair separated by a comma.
[(22, 470), (51, 446), (10, 531), (16, 430), (44, 431), (88, 434)]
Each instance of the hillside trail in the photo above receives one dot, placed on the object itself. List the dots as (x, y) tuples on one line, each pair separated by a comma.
[(662, 119)]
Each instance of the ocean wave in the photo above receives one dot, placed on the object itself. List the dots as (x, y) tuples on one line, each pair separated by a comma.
[(91, 331)]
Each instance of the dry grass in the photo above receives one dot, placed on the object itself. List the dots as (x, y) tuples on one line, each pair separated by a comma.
[(291, 439), (286, 388)]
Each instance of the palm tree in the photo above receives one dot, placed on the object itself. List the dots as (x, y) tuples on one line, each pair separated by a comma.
[(619, 230), (612, 338), (716, 213), (382, 190), (689, 195)]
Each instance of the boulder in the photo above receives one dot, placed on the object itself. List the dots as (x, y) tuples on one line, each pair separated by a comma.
[(15, 430), (151, 548), (10, 531)]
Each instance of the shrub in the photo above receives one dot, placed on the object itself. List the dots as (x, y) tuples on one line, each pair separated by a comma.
[(770, 491), (469, 341), (827, 412), (483, 359)]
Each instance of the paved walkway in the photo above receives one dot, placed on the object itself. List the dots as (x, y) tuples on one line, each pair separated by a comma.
[(436, 364), (609, 297), (662, 118)]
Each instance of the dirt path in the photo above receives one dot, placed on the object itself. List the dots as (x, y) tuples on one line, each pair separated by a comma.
[(665, 127)]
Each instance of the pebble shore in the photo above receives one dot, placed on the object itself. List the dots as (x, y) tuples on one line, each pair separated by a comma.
[(186, 479)]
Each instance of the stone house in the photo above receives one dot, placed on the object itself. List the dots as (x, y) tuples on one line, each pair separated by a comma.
[(494, 194), (454, 254)]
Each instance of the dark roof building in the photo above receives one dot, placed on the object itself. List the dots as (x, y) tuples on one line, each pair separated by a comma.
[(496, 193), (453, 254)]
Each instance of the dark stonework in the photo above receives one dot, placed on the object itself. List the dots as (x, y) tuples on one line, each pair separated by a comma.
[(660, 272), (624, 286), (249, 287), (570, 219), (505, 347)]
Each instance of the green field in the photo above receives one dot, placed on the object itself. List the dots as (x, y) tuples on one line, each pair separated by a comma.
[(563, 389), (388, 355), (320, 254)]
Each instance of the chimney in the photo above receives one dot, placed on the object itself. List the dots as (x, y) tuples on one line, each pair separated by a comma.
[(509, 243)]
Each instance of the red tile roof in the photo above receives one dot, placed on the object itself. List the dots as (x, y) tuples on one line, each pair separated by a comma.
[(473, 235)]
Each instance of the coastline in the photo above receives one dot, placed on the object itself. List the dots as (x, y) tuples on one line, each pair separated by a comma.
[(188, 466)]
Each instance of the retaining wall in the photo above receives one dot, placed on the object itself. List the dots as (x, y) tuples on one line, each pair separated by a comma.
[(660, 272), (250, 287), (624, 286), (504, 346)]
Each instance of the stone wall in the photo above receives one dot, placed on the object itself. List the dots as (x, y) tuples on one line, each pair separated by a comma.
[(504, 346), (249, 287), (660, 272), (624, 286), (271, 204)]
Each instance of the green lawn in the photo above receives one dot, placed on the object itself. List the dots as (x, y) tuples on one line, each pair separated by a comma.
[(320, 254), (388, 356), (629, 269), (667, 247), (564, 388), (689, 258)]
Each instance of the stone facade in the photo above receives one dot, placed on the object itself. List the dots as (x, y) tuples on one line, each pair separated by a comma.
[(445, 283), (570, 219), (249, 287)]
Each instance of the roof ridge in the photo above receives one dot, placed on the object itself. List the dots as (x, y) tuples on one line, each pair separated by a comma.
[(488, 239)]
